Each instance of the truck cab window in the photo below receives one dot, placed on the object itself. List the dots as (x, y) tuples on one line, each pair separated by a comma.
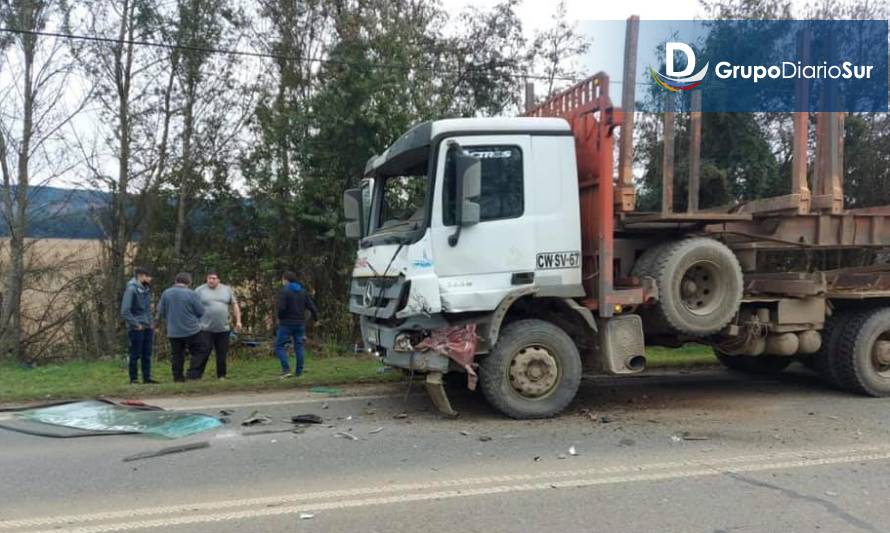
[(502, 193), (403, 201)]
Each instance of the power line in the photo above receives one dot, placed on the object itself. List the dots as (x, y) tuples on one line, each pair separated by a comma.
[(263, 55)]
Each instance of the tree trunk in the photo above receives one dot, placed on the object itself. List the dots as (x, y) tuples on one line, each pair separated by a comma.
[(186, 178), (11, 313)]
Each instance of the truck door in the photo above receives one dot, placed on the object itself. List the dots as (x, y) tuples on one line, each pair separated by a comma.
[(495, 256)]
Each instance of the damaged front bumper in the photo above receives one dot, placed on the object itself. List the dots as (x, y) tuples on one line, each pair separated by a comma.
[(396, 344), (430, 345)]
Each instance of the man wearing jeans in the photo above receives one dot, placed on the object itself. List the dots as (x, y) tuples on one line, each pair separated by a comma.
[(293, 302), (136, 312), (182, 309)]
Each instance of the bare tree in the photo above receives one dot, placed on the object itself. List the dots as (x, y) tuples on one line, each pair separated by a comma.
[(558, 48), (33, 113)]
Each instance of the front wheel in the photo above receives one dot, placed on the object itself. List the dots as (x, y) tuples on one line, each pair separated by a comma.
[(533, 371)]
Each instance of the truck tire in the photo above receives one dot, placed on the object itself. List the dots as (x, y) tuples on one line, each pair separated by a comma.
[(861, 363), (699, 286), (533, 371), (760, 365), (643, 265), (822, 362)]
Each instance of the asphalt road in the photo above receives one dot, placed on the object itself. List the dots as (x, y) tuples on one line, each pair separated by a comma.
[(705, 451)]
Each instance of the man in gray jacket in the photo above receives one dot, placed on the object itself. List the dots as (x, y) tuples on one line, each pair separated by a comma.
[(182, 309), (136, 312)]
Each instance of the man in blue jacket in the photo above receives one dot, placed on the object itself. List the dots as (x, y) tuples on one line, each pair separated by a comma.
[(136, 312), (293, 302)]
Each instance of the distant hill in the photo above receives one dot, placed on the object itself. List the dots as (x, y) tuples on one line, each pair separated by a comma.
[(60, 213)]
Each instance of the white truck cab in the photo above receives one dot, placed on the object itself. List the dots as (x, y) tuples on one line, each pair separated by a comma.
[(428, 260)]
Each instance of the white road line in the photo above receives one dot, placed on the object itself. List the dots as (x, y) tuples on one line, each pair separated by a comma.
[(618, 473), (463, 493)]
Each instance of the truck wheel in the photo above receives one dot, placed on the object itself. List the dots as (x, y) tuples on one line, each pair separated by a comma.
[(862, 361), (643, 265), (822, 362), (761, 365), (533, 371), (699, 286)]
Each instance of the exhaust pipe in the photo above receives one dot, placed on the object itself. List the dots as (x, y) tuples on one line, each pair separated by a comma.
[(636, 363)]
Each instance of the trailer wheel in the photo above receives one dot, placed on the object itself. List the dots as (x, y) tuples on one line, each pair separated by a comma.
[(533, 371), (699, 286), (761, 365), (822, 362), (862, 361)]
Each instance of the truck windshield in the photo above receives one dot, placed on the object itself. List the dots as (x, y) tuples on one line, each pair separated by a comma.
[(402, 203)]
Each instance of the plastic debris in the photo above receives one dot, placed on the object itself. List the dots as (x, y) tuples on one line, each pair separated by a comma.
[(693, 436), (306, 516), (167, 451), (373, 431), (345, 435), (306, 419), (572, 451), (465, 433), (226, 412), (484, 438), (400, 416), (330, 391)]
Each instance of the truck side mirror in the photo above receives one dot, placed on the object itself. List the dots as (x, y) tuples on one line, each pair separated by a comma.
[(467, 188), (352, 211), (469, 171)]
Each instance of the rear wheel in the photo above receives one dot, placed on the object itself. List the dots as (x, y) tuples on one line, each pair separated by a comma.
[(862, 361), (822, 362), (533, 371), (761, 365)]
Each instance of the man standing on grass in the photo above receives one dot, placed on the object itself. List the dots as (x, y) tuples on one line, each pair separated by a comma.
[(136, 312), (217, 298), (293, 302), (182, 309)]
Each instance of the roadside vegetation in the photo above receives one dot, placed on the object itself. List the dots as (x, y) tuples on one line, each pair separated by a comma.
[(247, 372)]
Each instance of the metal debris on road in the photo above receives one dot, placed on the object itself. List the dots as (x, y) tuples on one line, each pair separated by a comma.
[(306, 516), (400, 416), (226, 412), (686, 435), (465, 433), (306, 419), (167, 451), (345, 435), (266, 432), (254, 420), (373, 431)]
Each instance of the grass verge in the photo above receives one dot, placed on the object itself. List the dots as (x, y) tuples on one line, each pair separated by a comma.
[(89, 379)]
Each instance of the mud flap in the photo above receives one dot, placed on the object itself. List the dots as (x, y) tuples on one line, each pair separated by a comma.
[(436, 389)]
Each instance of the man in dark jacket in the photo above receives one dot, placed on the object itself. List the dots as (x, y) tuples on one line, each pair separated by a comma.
[(136, 312), (182, 309), (293, 302)]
